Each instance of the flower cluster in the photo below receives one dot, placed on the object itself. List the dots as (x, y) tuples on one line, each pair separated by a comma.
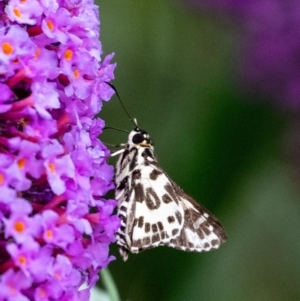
[(56, 226), (269, 61)]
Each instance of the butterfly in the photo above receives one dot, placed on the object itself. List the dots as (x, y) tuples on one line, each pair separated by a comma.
[(153, 209)]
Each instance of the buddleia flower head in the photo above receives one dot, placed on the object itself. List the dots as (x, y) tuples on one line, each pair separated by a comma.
[(56, 226)]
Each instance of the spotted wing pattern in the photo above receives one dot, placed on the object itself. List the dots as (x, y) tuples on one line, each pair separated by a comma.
[(201, 230), (154, 211)]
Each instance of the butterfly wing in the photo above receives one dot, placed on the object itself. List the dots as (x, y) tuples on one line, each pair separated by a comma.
[(155, 211), (160, 213), (153, 216), (201, 230)]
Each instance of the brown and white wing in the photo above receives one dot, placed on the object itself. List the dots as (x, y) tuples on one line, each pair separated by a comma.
[(153, 214), (201, 230)]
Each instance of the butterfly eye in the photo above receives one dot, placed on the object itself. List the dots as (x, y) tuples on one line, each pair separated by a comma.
[(138, 138)]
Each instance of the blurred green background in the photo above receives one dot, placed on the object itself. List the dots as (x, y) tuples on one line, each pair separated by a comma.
[(175, 73)]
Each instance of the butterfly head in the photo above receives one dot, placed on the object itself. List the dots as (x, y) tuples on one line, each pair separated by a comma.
[(138, 137)]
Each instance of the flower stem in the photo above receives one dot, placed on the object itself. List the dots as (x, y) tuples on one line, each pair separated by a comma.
[(110, 285)]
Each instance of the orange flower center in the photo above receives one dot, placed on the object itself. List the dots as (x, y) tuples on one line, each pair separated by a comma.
[(19, 226), (49, 234), (7, 48), (68, 54), (37, 53), (17, 12), (50, 25), (51, 167), (42, 293), (22, 260), (76, 73), (21, 163)]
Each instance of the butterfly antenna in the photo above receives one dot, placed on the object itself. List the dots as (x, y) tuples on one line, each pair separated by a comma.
[(133, 120), (112, 128)]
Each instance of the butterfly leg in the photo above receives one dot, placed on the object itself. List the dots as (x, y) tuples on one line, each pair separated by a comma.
[(117, 152)]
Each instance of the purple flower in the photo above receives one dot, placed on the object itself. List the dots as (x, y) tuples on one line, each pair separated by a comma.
[(21, 225), (23, 254), (269, 60), (55, 234), (56, 224), (12, 284)]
